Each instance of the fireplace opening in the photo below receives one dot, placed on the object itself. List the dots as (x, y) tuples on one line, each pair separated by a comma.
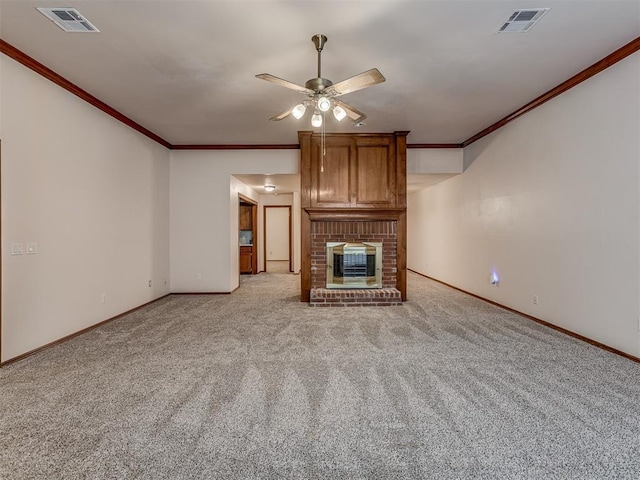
[(354, 265)]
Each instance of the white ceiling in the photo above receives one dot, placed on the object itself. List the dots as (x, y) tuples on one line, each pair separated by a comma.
[(185, 69)]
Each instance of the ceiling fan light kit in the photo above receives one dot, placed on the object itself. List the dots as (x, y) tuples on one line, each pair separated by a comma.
[(339, 113), (322, 93), (324, 104), (316, 120), (298, 111)]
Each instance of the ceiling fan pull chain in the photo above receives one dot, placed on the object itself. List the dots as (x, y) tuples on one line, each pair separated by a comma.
[(324, 149)]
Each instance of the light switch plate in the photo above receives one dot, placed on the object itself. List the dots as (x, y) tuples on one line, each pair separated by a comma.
[(32, 248), (17, 249)]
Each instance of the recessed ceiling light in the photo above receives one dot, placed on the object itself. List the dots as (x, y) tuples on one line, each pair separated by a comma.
[(68, 19)]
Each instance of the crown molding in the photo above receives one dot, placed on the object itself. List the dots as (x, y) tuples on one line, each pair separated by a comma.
[(577, 79), (27, 61)]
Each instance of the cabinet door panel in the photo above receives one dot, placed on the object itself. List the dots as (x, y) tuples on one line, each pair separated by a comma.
[(374, 182), (245, 217), (331, 173), (246, 259)]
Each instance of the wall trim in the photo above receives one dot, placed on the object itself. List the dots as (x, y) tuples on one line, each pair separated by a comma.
[(27, 61), (577, 79), (78, 333), (575, 335)]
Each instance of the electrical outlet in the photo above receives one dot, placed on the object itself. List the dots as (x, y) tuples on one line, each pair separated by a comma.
[(198, 276), (104, 298), (150, 283), (535, 299)]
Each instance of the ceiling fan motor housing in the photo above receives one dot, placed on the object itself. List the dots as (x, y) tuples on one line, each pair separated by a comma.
[(318, 84)]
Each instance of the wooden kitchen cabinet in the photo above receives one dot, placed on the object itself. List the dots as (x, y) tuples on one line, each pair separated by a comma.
[(246, 259), (245, 217)]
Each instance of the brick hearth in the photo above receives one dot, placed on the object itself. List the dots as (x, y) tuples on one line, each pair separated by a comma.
[(373, 297)]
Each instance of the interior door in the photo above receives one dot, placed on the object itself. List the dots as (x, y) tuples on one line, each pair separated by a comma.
[(277, 234)]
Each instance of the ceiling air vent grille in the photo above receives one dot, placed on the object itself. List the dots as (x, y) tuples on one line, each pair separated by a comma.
[(68, 19), (522, 20)]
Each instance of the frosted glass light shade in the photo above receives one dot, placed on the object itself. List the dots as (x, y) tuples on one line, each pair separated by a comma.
[(316, 120), (339, 113), (298, 111), (324, 104)]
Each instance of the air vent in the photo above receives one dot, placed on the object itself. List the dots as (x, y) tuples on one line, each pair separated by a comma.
[(522, 20), (68, 19)]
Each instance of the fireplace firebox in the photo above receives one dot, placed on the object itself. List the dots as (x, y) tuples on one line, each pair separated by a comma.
[(354, 265)]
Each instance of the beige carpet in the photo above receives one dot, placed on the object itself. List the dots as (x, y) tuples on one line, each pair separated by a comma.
[(278, 266), (257, 385)]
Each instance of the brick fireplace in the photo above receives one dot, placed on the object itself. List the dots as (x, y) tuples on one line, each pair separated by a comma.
[(383, 231), (353, 191)]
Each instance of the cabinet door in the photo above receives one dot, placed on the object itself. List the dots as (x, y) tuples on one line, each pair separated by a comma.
[(330, 172), (245, 217), (353, 172), (374, 172), (245, 263)]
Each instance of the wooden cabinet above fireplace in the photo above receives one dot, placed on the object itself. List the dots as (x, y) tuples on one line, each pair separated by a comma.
[(352, 171), (353, 188)]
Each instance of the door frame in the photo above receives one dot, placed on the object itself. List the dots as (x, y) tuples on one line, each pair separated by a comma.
[(264, 236), (254, 231)]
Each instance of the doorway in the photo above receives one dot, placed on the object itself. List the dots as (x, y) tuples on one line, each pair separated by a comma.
[(277, 239), (248, 222)]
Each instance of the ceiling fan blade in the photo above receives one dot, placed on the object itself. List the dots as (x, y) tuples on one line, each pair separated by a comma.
[(282, 115), (284, 83), (358, 82), (354, 114)]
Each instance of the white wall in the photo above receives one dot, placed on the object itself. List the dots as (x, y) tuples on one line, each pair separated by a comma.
[(204, 216), (550, 202), (93, 194), (435, 161)]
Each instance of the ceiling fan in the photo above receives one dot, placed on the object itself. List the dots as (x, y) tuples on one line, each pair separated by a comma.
[(323, 94)]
